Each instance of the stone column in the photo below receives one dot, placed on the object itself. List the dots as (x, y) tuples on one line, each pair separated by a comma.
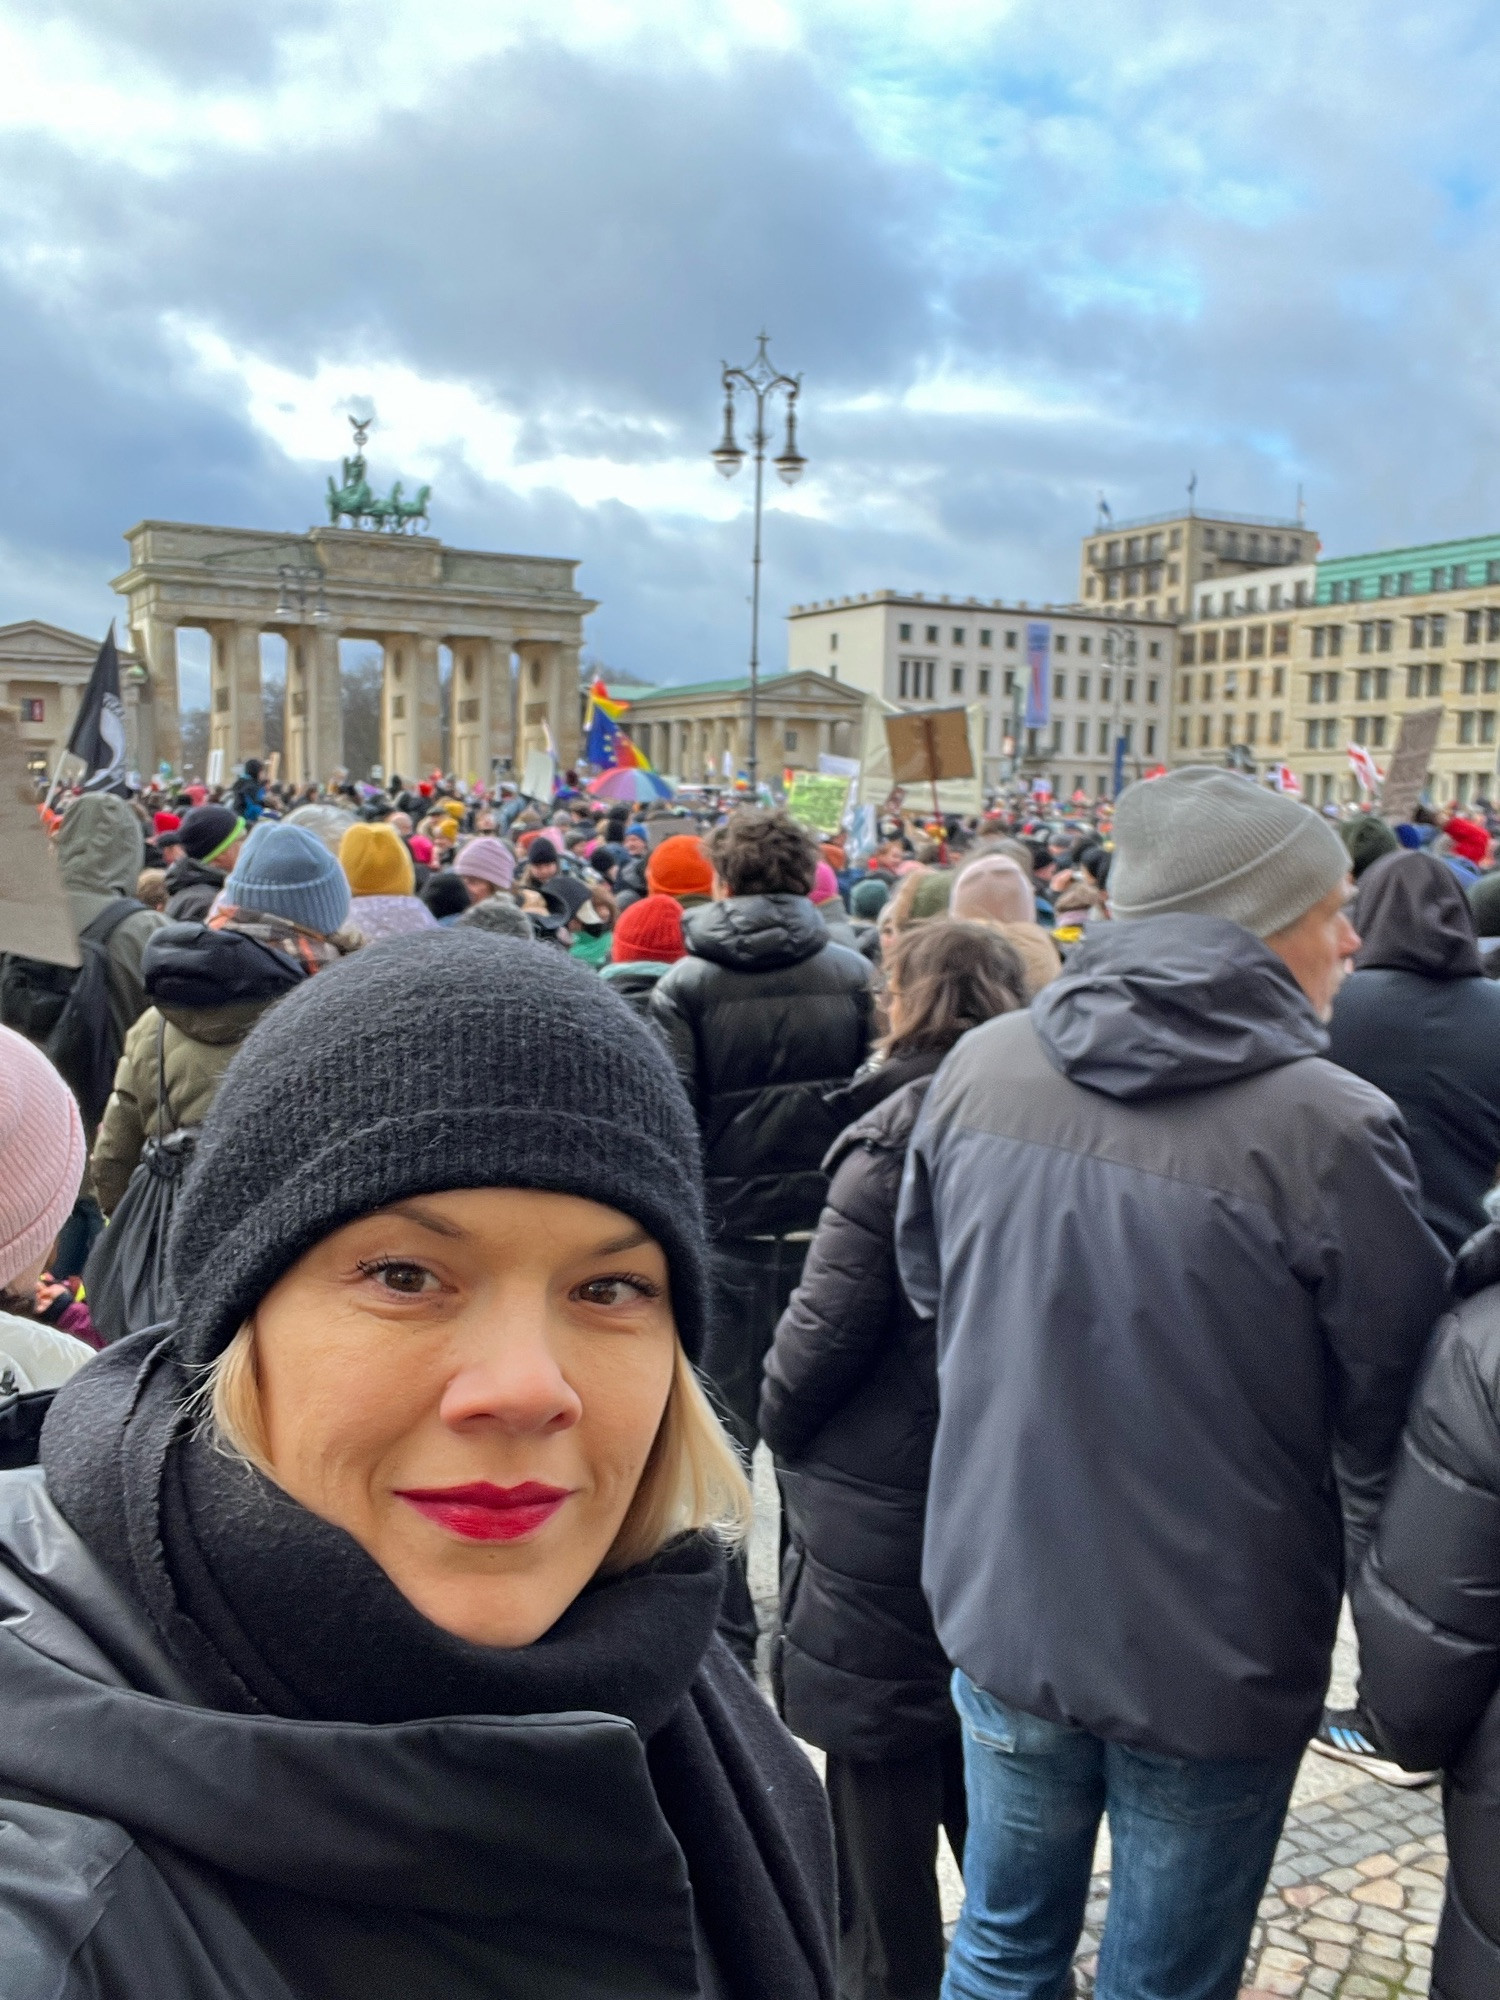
[(428, 690), (481, 720), (314, 704), (397, 717), (236, 722), (155, 646)]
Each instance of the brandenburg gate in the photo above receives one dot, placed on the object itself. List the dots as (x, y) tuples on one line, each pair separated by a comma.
[(409, 593)]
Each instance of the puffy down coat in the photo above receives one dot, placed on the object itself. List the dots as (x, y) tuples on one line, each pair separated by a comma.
[(1427, 1605), (849, 1407), (762, 1017)]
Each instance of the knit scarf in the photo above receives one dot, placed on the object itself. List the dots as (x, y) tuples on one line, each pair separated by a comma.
[(266, 1608)]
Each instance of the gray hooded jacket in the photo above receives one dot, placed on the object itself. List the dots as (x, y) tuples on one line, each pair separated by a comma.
[(101, 851), (1180, 1278)]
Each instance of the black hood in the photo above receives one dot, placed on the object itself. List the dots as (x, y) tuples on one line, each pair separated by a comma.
[(1162, 1005), (1412, 916), (189, 965), (186, 873), (756, 933)]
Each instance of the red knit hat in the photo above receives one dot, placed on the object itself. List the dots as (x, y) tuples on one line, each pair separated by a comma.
[(649, 930), (679, 867), (1467, 839), (165, 822)]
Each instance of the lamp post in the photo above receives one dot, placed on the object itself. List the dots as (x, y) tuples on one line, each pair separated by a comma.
[(760, 380), (1120, 651)]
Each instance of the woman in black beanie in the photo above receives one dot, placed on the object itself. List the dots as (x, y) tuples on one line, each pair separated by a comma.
[(356, 1632)]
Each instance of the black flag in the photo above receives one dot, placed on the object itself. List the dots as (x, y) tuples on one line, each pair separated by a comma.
[(99, 733)]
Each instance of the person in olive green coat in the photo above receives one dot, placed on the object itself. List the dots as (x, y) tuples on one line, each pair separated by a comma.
[(209, 987)]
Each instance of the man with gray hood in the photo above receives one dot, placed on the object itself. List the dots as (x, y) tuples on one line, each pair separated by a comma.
[(1182, 1287)]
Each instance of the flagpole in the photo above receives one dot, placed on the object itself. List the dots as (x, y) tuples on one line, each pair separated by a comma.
[(57, 773)]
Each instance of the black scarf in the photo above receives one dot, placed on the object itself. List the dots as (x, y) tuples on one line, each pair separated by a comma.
[(266, 1608)]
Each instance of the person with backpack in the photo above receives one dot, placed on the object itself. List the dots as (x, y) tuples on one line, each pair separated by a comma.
[(79, 1017)]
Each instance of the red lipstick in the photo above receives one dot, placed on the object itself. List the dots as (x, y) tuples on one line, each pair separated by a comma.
[(484, 1513)]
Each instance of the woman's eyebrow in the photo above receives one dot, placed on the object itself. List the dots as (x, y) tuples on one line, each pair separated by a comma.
[(433, 1222), (632, 1241)]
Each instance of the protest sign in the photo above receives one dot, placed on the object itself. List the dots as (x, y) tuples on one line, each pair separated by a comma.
[(35, 916), (1406, 774), (818, 801)]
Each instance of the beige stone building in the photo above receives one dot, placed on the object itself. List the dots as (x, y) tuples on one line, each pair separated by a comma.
[(43, 672), (1150, 568), (689, 732), (1107, 676), (1375, 637)]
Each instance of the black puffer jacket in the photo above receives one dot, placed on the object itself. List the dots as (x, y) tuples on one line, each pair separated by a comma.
[(1419, 1020), (849, 1406), (762, 1016), (1427, 1605)]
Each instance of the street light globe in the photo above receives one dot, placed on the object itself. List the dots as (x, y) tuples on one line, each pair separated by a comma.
[(791, 465), (729, 458)]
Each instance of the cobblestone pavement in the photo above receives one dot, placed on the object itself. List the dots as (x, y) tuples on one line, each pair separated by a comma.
[(1352, 1906), (1353, 1903)]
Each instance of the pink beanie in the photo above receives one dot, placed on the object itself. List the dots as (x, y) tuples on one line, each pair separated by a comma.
[(825, 884), (42, 1155), (488, 859)]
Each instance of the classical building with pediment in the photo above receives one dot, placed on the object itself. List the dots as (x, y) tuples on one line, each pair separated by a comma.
[(43, 672)]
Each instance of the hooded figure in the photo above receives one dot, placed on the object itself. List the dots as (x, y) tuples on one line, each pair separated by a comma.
[(1418, 1019), (100, 849)]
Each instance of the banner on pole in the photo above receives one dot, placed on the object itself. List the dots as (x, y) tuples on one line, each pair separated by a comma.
[(1039, 681)]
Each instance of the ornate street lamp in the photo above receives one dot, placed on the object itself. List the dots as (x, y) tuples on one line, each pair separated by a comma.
[(762, 381), (1120, 651)]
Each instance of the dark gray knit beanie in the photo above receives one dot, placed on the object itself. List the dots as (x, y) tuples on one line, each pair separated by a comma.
[(343, 1099)]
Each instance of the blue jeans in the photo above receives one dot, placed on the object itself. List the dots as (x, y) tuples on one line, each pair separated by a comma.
[(1193, 1841)]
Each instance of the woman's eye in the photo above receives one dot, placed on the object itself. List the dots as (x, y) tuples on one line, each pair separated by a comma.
[(616, 1291), (408, 1279)]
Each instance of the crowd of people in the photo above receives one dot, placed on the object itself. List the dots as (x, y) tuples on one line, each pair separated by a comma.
[(417, 1207)]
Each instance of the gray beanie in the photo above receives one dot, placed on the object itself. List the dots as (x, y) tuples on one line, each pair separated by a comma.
[(1209, 843), (284, 871), (542, 1078)]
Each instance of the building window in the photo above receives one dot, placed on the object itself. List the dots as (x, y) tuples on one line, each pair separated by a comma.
[(1319, 641), (1313, 733), (1206, 688), (1010, 640), (1466, 726), (986, 636), (1010, 680), (1210, 646), (1252, 727), (1085, 644), (1377, 730), (1469, 681), (1153, 690), (1060, 643), (955, 680), (1182, 732), (1083, 687), (1106, 687), (398, 705), (1278, 681), (1437, 628), (1103, 739), (1081, 739), (1418, 631), (1364, 683), (1385, 629), (1185, 689), (1473, 622), (1435, 677), (1413, 682), (1255, 643), (904, 631), (1367, 635), (1059, 687), (1232, 644), (958, 635), (984, 680), (1492, 619), (1057, 737), (1275, 725), (1130, 687), (903, 691), (1487, 726), (833, 642), (932, 635), (791, 739), (1189, 651), (33, 709), (1492, 676), (1205, 731), (1281, 639)]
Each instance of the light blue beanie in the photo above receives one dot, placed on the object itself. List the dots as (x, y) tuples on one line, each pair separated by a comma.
[(285, 872)]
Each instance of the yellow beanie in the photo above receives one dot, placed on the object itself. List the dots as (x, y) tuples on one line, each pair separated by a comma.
[(376, 861)]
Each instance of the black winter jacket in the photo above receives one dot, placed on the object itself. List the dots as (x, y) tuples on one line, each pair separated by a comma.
[(1180, 1281), (1420, 1021), (762, 1017), (192, 889), (849, 1407), (1427, 1606)]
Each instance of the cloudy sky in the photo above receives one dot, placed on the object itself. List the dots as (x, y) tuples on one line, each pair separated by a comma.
[(1021, 252)]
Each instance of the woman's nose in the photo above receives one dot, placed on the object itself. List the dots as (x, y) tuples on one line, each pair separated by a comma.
[(512, 1380)]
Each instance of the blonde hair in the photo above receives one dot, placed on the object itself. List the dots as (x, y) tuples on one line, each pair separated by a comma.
[(692, 1480)]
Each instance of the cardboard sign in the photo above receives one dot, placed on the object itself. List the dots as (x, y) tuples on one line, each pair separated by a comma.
[(1406, 774), (929, 744), (35, 915), (818, 801)]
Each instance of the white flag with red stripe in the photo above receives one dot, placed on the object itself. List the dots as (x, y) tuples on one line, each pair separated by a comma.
[(1285, 779), (1364, 768)]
